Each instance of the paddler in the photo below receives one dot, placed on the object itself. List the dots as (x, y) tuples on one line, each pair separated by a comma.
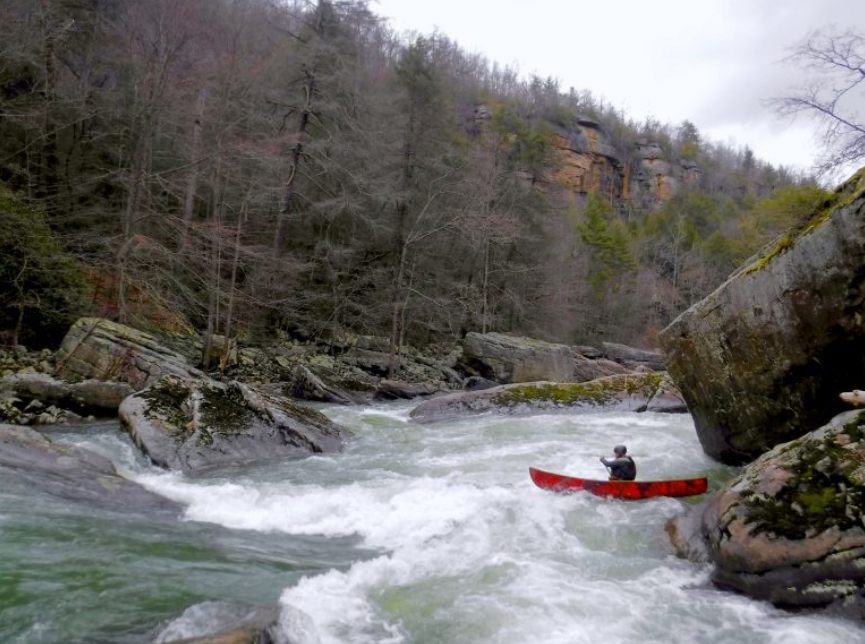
[(622, 466)]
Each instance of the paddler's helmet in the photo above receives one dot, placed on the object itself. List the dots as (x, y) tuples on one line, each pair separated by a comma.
[(620, 450)]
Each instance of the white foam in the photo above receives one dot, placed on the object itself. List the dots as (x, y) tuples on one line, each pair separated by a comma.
[(472, 551)]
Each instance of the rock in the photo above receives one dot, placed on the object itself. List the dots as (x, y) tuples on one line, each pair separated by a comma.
[(373, 343), (762, 359), (397, 389), (855, 397), (73, 473), (624, 354), (789, 529), (649, 150), (375, 362), (104, 350), (585, 369), (477, 383), (220, 352), (667, 399), (20, 359), (219, 622), (308, 386), (587, 351), (508, 358), (87, 397), (196, 425), (615, 393)]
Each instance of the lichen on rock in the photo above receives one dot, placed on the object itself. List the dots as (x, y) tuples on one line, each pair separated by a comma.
[(790, 528)]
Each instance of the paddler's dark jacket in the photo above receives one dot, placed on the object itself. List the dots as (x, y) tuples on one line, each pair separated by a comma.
[(621, 467)]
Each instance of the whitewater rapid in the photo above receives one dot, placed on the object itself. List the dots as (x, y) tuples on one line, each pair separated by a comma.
[(461, 547)]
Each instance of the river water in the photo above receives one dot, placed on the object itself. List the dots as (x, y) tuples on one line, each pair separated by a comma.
[(413, 534)]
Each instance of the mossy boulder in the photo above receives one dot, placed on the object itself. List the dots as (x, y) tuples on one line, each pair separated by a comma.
[(193, 425), (95, 348), (630, 392), (761, 360), (790, 528), (509, 358)]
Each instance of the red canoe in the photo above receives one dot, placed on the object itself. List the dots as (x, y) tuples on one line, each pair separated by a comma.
[(631, 490)]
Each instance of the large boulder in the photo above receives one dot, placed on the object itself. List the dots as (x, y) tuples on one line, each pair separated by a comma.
[(193, 425), (761, 360), (631, 392), (508, 358), (73, 474), (99, 349), (790, 528)]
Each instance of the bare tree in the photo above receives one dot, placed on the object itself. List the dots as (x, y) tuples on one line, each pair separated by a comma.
[(833, 96)]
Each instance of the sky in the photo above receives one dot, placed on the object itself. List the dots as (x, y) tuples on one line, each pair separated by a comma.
[(716, 63)]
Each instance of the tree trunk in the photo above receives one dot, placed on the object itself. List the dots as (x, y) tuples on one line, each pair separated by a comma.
[(192, 179)]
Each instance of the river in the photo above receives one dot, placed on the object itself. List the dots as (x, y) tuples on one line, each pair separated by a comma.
[(416, 534)]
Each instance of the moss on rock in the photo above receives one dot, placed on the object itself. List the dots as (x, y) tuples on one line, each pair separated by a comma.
[(597, 392), (225, 410), (823, 492), (847, 193)]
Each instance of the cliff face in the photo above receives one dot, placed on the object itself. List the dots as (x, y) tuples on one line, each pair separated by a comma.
[(588, 163)]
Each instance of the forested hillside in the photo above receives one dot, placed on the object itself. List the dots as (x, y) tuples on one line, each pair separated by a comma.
[(246, 166)]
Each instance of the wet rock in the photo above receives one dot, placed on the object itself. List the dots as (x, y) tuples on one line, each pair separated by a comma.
[(507, 358), (616, 393), (196, 425), (790, 528), (73, 473), (219, 622), (762, 359), (667, 399), (308, 386), (103, 350)]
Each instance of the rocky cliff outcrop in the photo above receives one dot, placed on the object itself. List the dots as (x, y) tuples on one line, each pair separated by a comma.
[(588, 163), (762, 359), (194, 425), (790, 528)]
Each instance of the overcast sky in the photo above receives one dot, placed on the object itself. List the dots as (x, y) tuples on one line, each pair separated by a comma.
[(714, 62)]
